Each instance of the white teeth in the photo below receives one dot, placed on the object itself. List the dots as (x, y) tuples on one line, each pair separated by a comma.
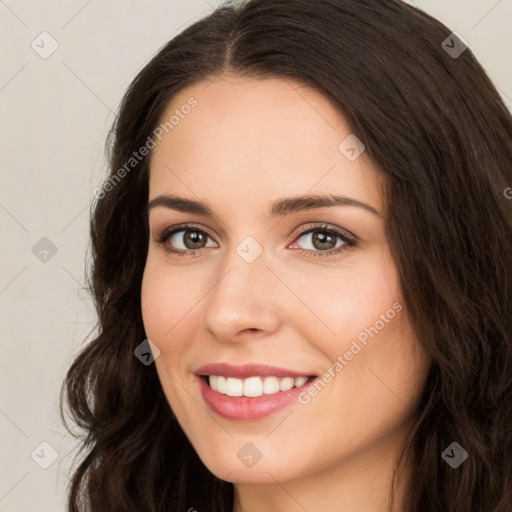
[(234, 386), (253, 386), (300, 381), (286, 384), (221, 384), (270, 385)]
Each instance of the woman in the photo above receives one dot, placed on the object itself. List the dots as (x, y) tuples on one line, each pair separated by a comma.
[(302, 266)]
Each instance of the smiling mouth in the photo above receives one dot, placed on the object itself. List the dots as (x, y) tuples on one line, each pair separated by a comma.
[(254, 386)]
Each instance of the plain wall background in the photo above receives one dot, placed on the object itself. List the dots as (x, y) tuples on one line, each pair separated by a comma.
[(55, 114)]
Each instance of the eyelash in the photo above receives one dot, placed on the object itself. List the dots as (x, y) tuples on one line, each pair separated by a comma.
[(348, 242)]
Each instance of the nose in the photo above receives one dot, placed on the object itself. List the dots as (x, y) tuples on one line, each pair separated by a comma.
[(245, 300)]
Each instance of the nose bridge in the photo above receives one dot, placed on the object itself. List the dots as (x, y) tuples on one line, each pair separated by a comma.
[(244, 294)]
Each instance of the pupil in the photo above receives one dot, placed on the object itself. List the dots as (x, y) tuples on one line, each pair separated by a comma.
[(322, 238), (193, 237)]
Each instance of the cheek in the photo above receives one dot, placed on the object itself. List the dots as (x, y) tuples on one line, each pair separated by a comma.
[(167, 315), (381, 368), (155, 304), (166, 302), (377, 366), (345, 302)]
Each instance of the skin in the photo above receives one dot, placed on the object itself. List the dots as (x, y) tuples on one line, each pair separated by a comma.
[(247, 143)]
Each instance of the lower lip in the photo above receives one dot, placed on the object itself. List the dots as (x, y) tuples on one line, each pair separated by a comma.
[(248, 408)]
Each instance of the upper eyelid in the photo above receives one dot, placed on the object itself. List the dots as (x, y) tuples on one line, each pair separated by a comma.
[(172, 230), (323, 225)]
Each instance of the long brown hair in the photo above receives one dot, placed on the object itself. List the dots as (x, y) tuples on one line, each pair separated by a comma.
[(436, 126)]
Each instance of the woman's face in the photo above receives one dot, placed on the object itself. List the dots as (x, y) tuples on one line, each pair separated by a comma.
[(299, 288)]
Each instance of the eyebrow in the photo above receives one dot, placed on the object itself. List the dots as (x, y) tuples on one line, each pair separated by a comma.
[(279, 207)]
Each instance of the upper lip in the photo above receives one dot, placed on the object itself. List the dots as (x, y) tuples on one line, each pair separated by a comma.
[(248, 370)]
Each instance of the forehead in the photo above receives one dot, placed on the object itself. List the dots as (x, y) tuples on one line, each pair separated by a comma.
[(256, 138)]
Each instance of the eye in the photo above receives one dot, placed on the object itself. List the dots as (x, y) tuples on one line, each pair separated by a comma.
[(183, 240), (324, 240)]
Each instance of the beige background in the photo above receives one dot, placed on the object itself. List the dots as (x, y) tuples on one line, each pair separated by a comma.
[(55, 113)]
